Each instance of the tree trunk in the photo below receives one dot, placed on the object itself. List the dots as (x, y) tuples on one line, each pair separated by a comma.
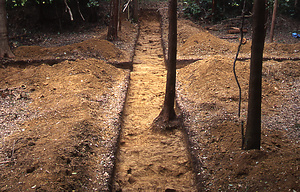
[(120, 15), (213, 7), (168, 111), (167, 117), (273, 20), (4, 46), (135, 15), (253, 129), (112, 33)]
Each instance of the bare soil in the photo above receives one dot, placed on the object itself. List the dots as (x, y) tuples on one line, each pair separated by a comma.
[(150, 161), (60, 123)]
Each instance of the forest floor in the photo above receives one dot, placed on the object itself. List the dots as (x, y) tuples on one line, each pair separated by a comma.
[(62, 101)]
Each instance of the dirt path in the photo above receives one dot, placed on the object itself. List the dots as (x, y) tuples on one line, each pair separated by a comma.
[(148, 161)]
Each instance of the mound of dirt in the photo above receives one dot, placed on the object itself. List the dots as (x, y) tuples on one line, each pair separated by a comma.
[(96, 48), (196, 43), (208, 96), (214, 81), (282, 50), (204, 44), (70, 140)]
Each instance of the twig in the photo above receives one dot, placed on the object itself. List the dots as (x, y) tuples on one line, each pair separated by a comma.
[(126, 5), (235, 76), (70, 12), (80, 11)]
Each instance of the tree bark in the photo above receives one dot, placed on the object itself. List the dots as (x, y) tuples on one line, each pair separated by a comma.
[(167, 118), (273, 20), (4, 46), (112, 33), (168, 111), (253, 129), (135, 15)]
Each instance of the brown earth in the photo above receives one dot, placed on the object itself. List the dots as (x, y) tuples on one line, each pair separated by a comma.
[(60, 123), (146, 160)]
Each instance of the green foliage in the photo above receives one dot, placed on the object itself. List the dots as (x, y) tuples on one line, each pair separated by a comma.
[(204, 8), (195, 9), (15, 3), (93, 3), (191, 9)]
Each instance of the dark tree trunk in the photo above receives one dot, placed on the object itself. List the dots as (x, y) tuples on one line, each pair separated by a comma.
[(168, 111), (273, 20), (213, 7), (167, 117), (135, 14), (112, 33), (4, 46), (253, 130), (120, 16)]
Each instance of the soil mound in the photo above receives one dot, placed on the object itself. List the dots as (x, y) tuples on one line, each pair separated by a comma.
[(96, 48), (204, 44), (208, 96), (282, 50), (212, 80), (195, 43), (69, 141)]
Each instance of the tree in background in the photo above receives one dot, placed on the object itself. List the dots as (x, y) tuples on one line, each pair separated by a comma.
[(253, 129), (112, 33), (135, 15), (273, 20), (4, 46)]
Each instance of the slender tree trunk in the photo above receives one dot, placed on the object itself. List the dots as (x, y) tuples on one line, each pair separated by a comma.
[(120, 16), (112, 33), (168, 110), (273, 20), (253, 130), (4, 46), (213, 7)]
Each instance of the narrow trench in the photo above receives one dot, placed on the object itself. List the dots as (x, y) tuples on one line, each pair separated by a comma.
[(148, 161)]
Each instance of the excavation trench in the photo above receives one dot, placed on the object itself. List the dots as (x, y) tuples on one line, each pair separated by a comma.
[(148, 161)]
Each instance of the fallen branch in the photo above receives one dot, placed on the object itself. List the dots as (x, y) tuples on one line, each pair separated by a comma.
[(229, 37), (236, 30)]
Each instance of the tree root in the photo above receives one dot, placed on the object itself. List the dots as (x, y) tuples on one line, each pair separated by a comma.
[(161, 125)]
